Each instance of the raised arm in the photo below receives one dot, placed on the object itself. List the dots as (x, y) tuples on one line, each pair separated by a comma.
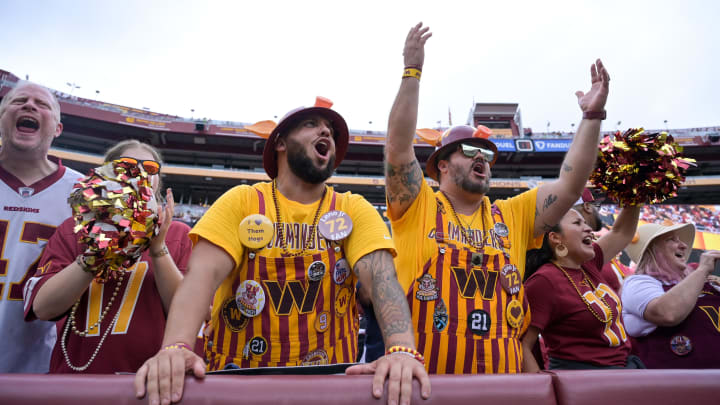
[(167, 274), (621, 233), (403, 174), (554, 199), (376, 273), (164, 373)]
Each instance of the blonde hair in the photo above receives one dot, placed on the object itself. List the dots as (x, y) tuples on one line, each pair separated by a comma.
[(54, 104)]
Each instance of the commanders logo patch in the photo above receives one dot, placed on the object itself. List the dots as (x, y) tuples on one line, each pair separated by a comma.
[(342, 301), (235, 320)]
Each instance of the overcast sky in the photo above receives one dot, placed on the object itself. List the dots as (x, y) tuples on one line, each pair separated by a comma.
[(249, 61)]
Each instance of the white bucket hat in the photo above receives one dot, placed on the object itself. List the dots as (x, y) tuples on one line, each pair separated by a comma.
[(648, 232)]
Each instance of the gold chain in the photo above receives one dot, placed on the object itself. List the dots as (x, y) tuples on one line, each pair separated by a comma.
[(582, 297), (471, 242), (280, 226)]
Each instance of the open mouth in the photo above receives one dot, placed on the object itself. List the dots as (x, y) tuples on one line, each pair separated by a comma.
[(679, 255), (588, 240), (479, 169), (322, 147), (27, 124)]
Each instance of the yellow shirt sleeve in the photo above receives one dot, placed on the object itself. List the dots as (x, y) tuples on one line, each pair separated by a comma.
[(220, 224), (519, 215), (369, 230)]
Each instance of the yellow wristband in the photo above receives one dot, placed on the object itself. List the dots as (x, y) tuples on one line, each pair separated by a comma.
[(412, 72)]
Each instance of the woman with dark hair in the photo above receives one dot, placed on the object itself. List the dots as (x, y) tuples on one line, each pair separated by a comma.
[(571, 302), (116, 325), (670, 307)]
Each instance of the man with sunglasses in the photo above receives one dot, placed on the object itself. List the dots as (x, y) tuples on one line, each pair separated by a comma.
[(460, 257), (33, 191)]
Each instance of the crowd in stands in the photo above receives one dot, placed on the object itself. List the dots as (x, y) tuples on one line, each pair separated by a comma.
[(273, 273), (705, 217)]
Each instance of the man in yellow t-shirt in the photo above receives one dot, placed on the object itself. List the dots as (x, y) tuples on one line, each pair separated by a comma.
[(460, 257), (280, 261)]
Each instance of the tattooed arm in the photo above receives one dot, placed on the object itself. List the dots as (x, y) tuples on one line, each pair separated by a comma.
[(403, 174), (376, 273), (556, 198)]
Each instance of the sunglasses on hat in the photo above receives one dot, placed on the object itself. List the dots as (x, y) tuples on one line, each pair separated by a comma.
[(150, 166), (472, 151)]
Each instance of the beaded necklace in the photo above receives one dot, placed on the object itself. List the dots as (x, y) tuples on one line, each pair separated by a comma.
[(472, 242), (71, 321), (279, 223), (582, 297)]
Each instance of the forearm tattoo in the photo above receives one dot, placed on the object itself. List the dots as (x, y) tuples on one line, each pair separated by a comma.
[(388, 299), (403, 181)]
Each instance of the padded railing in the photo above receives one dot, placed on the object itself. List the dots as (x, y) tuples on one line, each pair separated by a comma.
[(602, 387)]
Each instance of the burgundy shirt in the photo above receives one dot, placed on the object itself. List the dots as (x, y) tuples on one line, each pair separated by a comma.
[(570, 330), (693, 343), (138, 333)]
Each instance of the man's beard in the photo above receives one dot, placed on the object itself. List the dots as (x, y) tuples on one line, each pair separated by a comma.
[(303, 167), (463, 181)]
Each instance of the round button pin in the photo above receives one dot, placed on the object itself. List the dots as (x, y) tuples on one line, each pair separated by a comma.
[(681, 345), (510, 279), (501, 230), (316, 271), (514, 314), (341, 272), (250, 298), (335, 225), (255, 231)]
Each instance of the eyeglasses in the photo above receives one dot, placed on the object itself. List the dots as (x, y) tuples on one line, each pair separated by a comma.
[(150, 166), (472, 151)]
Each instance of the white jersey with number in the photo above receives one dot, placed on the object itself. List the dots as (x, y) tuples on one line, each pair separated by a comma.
[(28, 217)]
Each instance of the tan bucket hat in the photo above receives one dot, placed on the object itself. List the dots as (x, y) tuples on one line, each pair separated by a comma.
[(649, 232)]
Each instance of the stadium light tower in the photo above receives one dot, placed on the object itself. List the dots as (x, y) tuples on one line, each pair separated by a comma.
[(97, 93), (192, 113), (666, 127), (73, 86), (548, 127)]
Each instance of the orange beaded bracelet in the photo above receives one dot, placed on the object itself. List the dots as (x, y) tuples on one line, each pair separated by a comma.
[(407, 351)]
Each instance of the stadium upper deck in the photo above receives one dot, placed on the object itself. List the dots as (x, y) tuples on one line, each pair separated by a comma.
[(204, 158)]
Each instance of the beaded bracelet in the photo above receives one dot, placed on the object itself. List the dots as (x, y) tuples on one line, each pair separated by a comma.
[(412, 72), (178, 346), (407, 351)]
